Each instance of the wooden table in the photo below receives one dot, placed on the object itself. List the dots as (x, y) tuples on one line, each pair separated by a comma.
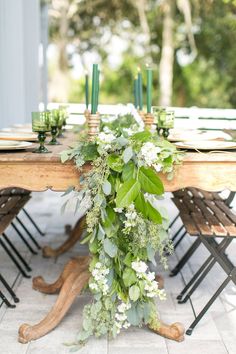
[(35, 172)]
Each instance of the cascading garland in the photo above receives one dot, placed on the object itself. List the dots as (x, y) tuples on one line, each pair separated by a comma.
[(126, 226)]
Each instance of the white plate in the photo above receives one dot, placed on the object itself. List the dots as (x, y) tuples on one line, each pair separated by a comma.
[(14, 145), (197, 135), (18, 136), (206, 145), (17, 130)]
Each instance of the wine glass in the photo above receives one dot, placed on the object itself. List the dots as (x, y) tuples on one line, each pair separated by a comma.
[(166, 122), (53, 121), (40, 124)]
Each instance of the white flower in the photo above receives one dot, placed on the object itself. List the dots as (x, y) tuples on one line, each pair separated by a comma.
[(149, 153), (157, 167), (120, 317), (126, 325), (123, 307), (139, 266), (118, 210), (93, 286), (106, 138), (151, 276)]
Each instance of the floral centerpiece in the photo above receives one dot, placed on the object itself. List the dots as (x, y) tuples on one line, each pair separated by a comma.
[(126, 226)]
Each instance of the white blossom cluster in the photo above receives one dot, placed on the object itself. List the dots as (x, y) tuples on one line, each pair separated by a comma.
[(105, 140), (99, 282), (149, 155), (131, 216), (121, 316), (150, 284)]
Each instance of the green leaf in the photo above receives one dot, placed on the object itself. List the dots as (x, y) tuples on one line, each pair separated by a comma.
[(69, 189), (134, 292), (128, 259), (115, 163), (89, 152), (140, 204), (64, 156), (146, 312), (151, 254), (128, 154), (153, 214), (133, 317), (110, 248), (106, 188), (129, 277), (149, 181), (127, 193), (142, 136), (128, 171)]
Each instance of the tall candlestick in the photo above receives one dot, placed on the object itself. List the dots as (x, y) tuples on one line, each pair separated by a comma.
[(97, 89), (86, 89), (136, 101), (140, 90), (149, 89)]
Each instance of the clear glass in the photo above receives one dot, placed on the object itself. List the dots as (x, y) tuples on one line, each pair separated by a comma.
[(40, 124)]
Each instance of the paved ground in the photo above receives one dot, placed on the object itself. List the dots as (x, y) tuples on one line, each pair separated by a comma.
[(216, 333)]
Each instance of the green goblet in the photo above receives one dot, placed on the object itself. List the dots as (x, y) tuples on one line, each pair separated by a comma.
[(64, 111), (40, 124), (53, 120), (61, 122), (166, 122)]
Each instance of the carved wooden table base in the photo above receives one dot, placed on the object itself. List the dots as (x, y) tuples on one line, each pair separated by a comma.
[(74, 235), (73, 279)]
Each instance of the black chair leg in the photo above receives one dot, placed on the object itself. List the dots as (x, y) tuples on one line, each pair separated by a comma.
[(179, 240), (28, 233), (33, 222), (23, 239), (13, 259), (208, 305), (9, 289), (16, 252), (186, 257), (177, 232), (173, 221), (6, 302)]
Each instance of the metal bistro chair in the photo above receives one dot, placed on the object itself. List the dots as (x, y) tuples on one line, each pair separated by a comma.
[(187, 195), (209, 220)]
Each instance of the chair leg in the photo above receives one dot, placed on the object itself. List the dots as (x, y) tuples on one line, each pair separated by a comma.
[(186, 257), (33, 222), (14, 259), (9, 289), (177, 232), (23, 239), (28, 233), (6, 302), (179, 240), (16, 252), (173, 221), (208, 305)]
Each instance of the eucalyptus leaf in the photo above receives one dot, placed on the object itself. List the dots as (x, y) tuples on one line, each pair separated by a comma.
[(110, 248), (127, 193), (129, 277), (106, 187), (133, 316), (149, 181), (151, 254), (134, 293), (128, 154)]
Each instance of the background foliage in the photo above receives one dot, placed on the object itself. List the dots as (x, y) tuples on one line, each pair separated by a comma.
[(122, 35)]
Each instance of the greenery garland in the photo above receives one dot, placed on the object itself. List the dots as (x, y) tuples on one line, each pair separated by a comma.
[(125, 224)]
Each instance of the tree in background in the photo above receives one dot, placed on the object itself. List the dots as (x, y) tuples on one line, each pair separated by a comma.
[(164, 33)]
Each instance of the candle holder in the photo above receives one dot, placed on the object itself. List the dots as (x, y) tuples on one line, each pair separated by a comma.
[(40, 124), (93, 125), (142, 114), (87, 114), (148, 120)]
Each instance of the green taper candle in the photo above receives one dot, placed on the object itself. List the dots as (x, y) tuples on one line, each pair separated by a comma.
[(86, 90), (97, 89), (136, 102), (140, 90), (149, 89), (94, 85)]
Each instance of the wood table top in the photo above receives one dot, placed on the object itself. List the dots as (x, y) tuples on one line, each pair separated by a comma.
[(212, 171)]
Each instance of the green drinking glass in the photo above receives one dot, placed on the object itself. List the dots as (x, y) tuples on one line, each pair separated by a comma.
[(40, 125), (165, 122), (53, 121)]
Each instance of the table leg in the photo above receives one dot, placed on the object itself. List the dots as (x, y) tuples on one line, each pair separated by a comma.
[(175, 331), (74, 236), (71, 286)]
